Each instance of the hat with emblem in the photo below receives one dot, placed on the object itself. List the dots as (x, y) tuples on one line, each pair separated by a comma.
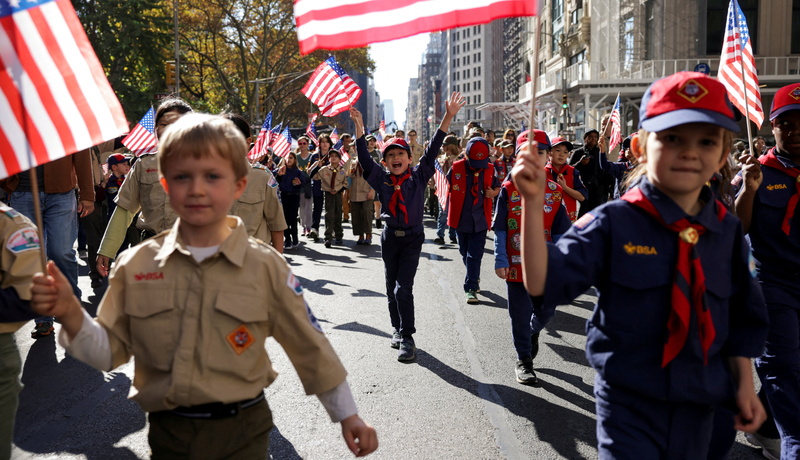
[(478, 152), (541, 138), (117, 158), (686, 97), (396, 143), (559, 141), (786, 98)]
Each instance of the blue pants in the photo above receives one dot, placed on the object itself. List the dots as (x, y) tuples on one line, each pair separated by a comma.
[(291, 205), (631, 426), (779, 366), (441, 225), (525, 318), (471, 245), (60, 221), (316, 211), (400, 256)]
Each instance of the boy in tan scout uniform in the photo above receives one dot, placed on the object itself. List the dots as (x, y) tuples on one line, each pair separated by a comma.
[(19, 261), (194, 306), (333, 179)]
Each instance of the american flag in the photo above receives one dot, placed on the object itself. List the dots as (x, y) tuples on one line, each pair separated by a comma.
[(54, 95), (337, 143), (311, 131), (143, 137), (263, 140), (442, 186), (340, 24), (616, 129), (737, 53), (282, 144), (331, 88)]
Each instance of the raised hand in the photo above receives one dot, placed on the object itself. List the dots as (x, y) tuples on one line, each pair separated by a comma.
[(454, 104), (529, 175)]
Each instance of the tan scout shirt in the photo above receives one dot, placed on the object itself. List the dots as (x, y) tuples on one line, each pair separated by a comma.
[(19, 259), (360, 189), (259, 207), (327, 172), (142, 190), (197, 330)]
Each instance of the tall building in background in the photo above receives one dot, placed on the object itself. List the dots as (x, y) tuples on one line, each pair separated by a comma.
[(388, 110), (424, 113), (412, 106)]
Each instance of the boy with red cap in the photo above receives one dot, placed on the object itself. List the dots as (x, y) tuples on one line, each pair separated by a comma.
[(566, 176), (401, 192), (119, 166), (527, 321), (767, 206), (473, 186)]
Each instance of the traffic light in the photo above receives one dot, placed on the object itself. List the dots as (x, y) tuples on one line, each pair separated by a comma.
[(170, 72), (564, 103), (262, 101)]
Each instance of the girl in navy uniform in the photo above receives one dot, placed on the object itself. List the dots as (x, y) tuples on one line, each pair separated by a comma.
[(680, 312)]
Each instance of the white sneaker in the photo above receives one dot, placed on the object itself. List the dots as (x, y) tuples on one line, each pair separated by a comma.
[(770, 447)]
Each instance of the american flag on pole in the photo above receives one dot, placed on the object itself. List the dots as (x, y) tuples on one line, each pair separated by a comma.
[(442, 186), (331, 88), (616, 129), (737, 67), (340, 24), (54, 96), (143, 137), (263, 140), (337, 143), (311, 131), (282, 144)]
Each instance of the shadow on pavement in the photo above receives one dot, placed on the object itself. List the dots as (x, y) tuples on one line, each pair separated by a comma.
[(572, 428), (567, 322), (280, 447), (358, 327), (494, 300), (68, 406)]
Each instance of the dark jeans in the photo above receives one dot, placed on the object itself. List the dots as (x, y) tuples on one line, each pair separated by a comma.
[(400, 256), (316, 213), (525, 318), (291, 207), (471, 246), (93, 226)]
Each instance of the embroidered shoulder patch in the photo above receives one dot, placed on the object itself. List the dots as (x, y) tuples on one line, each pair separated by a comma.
[(313, 319), (240, 339), (751, 264), (8, 211), (24, 239), (294, 284), (272, 182), (585, 220)]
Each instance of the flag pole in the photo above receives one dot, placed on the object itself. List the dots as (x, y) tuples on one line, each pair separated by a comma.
[(534, 81), (740, 49), (37, 211)]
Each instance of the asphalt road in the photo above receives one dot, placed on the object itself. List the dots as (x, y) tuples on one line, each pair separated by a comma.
[(457, 400)]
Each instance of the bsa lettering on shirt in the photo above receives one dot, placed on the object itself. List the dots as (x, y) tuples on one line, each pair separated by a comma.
[(149, 276), (777, 187), (632, 249), (151, 170)]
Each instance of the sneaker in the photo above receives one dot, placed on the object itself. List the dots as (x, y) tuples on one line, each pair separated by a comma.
[(378, 223), (453, 241), (327, 243), (524, 372), (438, 240), (83, 254), (286, 247), (360, 241), (368, 240), (407, 350), (396, 339), (534, 345), (42, 329), (770, 447), (338, 241), (472, 298), (313, 235)]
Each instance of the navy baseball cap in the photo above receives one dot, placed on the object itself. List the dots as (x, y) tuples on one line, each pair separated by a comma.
[(478, 151), (686, 97), (117, 158), (786, 99)]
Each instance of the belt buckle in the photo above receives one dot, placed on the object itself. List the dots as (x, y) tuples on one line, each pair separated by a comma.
[(399, 233)]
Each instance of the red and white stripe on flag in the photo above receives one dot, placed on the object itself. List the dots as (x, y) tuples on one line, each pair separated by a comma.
[(737, 51), (54, 96), (340, 24), (442, 186), (281, 146), (143, 138), (616, 128), (331, 88)]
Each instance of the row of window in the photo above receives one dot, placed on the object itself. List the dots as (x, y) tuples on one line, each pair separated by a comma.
[(457, 34), (476, 86), (475, 44), (476, 57), (476, 72)]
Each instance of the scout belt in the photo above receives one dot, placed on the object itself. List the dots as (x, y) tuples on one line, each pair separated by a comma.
[(216, 410)]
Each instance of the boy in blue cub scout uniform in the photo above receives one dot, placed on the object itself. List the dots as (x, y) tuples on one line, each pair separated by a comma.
[(401, 192), (473, 186), (680, 312), (767, 205)]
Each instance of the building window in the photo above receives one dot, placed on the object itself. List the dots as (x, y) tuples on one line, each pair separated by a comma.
[(466, 89), (717, 18), (479, 54), (467, 73), (576, 58), (466, 60), (557, 9), (478, 28), (627, 52), (478, 71), (468, 101)]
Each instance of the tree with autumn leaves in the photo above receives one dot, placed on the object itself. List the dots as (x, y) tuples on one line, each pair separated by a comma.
[(231, 51)]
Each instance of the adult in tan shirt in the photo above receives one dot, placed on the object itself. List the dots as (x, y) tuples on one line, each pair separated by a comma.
[(260, 209), (417, 150)]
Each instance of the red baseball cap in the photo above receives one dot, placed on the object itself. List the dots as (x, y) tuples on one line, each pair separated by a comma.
[(117, 158), (396, 143), (541, 138), (560, 140), (786, 99), (686, 97)]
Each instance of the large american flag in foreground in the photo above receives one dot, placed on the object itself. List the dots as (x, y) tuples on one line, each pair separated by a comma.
[(339, 24), (143, 137), (331, 88), (737, 51), (616, 129), (54, 95)]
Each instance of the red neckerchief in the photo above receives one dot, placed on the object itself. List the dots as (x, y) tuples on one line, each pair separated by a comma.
[(688, 277), (397, 200), (771, 160), (476, 190), (553, 171)]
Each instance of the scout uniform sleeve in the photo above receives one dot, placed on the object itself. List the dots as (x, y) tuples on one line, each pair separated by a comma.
[(273, 211), (426, 162), (561, 223), (370, 167), (18, 263), (297, 330), (111, 315), (128, 196)]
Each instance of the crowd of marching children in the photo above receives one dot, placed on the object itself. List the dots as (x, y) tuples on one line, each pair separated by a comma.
[(692, 243)]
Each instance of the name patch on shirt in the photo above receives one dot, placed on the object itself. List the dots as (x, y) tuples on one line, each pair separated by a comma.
[(149, 276), (25, 239), (240, 339), (632, 249)]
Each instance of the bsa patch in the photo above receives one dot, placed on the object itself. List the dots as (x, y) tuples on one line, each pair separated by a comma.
[(585, 220), (552, 185), (692, 91), (8, 211), (548, 198), (557, 196), (312, 318), (516, 208), (514, 197), (795, 93), (456, 187), (548, 209), (516, 241), (25, 239), (516, 260), (294, 284), (458, 176), (240, 339), (512, 274)]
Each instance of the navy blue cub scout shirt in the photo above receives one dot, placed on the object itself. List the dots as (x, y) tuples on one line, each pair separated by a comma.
[(630, 258), (413, 188)]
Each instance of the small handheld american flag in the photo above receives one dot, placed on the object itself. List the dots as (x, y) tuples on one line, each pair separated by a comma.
[(143, 137)]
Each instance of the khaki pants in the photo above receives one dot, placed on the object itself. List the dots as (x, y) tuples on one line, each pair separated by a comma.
[(245, 436)]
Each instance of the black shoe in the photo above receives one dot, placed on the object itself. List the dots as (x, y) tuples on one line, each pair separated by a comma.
[(525, 373), (345, 220), (339, 241), (327, 243), (97, 282), (378, 223), (396, 339), (438, 240), (407, 350), (453, 241), (534, 345), (43, 329)]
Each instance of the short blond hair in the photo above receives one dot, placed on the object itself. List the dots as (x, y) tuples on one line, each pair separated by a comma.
[(198, 135)]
